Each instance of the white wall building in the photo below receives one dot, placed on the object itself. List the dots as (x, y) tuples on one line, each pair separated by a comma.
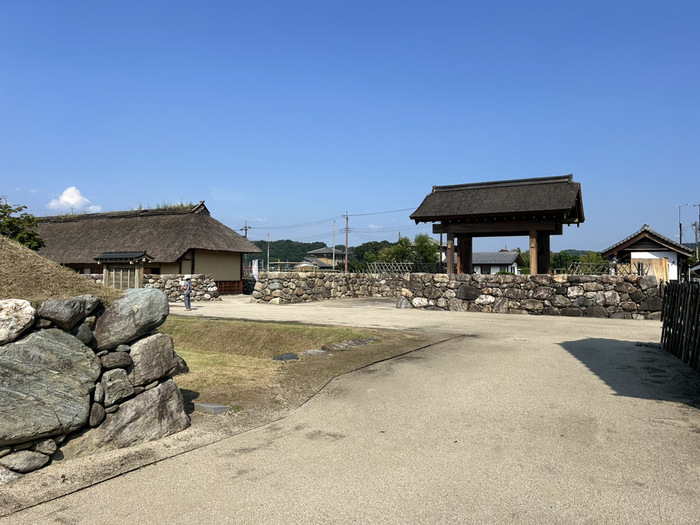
[(658, 254)]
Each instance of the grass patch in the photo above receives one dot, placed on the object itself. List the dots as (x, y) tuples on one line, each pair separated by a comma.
[(261, 340), (231, 361), (26, 275)]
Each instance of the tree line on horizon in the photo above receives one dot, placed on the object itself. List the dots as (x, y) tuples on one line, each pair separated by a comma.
[(422, 251)]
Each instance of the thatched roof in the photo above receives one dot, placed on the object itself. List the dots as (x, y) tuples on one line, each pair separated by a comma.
[(646, 239), (166, 234), (550, 197)]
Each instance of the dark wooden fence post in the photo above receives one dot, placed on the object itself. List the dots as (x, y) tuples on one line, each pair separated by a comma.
[(680, 315)]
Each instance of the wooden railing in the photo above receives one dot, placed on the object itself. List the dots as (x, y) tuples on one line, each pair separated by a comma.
[(680, 315), (609, 268)]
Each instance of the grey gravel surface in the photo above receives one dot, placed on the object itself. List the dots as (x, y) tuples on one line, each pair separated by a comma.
[(517, 419)]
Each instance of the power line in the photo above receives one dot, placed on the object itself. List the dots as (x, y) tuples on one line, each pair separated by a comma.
[(319, 221), (302, 225), (379, 212)]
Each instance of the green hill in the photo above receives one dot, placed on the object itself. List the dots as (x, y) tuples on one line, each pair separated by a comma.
[(286, 250)]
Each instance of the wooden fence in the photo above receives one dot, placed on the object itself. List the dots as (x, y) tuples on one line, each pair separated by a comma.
[(680, 315)]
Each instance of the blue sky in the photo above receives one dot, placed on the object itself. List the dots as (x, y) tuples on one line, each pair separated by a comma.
[(289, 114)]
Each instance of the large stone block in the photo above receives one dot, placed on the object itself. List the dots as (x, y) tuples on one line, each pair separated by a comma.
[(116, 360), (572, 312), (653, 304), (484, 300), (560, 301), (541, 279), (596, 311), (116, 386), (67, 313), (135, 314), (45, 383), (468, 293), (16, 316), (154, 414), (515, 293), (611, 298), (457, 305), (575, 291), (153, 358), (543, 292), (500, 305), (648, 281), (24, 461)]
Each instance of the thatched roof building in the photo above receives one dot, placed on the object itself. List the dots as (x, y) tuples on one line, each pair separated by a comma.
[(509, 201), (536, 207), (178, 240)]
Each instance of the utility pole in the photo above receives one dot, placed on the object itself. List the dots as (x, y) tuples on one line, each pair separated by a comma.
[(268, 253), (347, 230), (333, 244), (245, 229), (697, 232), (680, 224), (245, 255)]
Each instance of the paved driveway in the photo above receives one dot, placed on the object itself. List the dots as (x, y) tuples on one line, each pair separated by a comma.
[(517, 419)]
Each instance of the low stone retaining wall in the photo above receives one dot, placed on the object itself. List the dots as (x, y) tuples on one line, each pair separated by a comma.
[(77, 379), (203, 286), (630, 297)]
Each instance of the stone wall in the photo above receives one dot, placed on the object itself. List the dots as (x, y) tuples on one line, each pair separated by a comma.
[(631, 297), (203, 286), (76, 378)]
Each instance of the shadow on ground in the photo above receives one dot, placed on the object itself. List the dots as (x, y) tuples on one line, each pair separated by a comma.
[(189, 396), (640, 370)]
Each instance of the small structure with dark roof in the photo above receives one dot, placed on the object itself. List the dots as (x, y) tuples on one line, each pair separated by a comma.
[(182, 240), (123, 269), (324, 257), (495, 262), (536, 207), (662, 255), (312, 263)]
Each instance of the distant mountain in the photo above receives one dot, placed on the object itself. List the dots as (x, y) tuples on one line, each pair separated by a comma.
[(286, 250)]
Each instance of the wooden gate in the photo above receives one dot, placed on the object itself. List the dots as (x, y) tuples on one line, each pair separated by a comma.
[(680, 315), (122, 278)]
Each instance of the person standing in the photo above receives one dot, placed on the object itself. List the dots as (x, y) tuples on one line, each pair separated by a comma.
[(187, 289)]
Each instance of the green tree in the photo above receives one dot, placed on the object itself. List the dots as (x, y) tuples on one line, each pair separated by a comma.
[(421, 251), (20, 228), (402, 251), (525, 256), (426, 251), (563, 259), (593, 258), (287, 250), (368, 251)]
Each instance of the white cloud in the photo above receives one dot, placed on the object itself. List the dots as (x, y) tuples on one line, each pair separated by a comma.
[(71, 200)]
